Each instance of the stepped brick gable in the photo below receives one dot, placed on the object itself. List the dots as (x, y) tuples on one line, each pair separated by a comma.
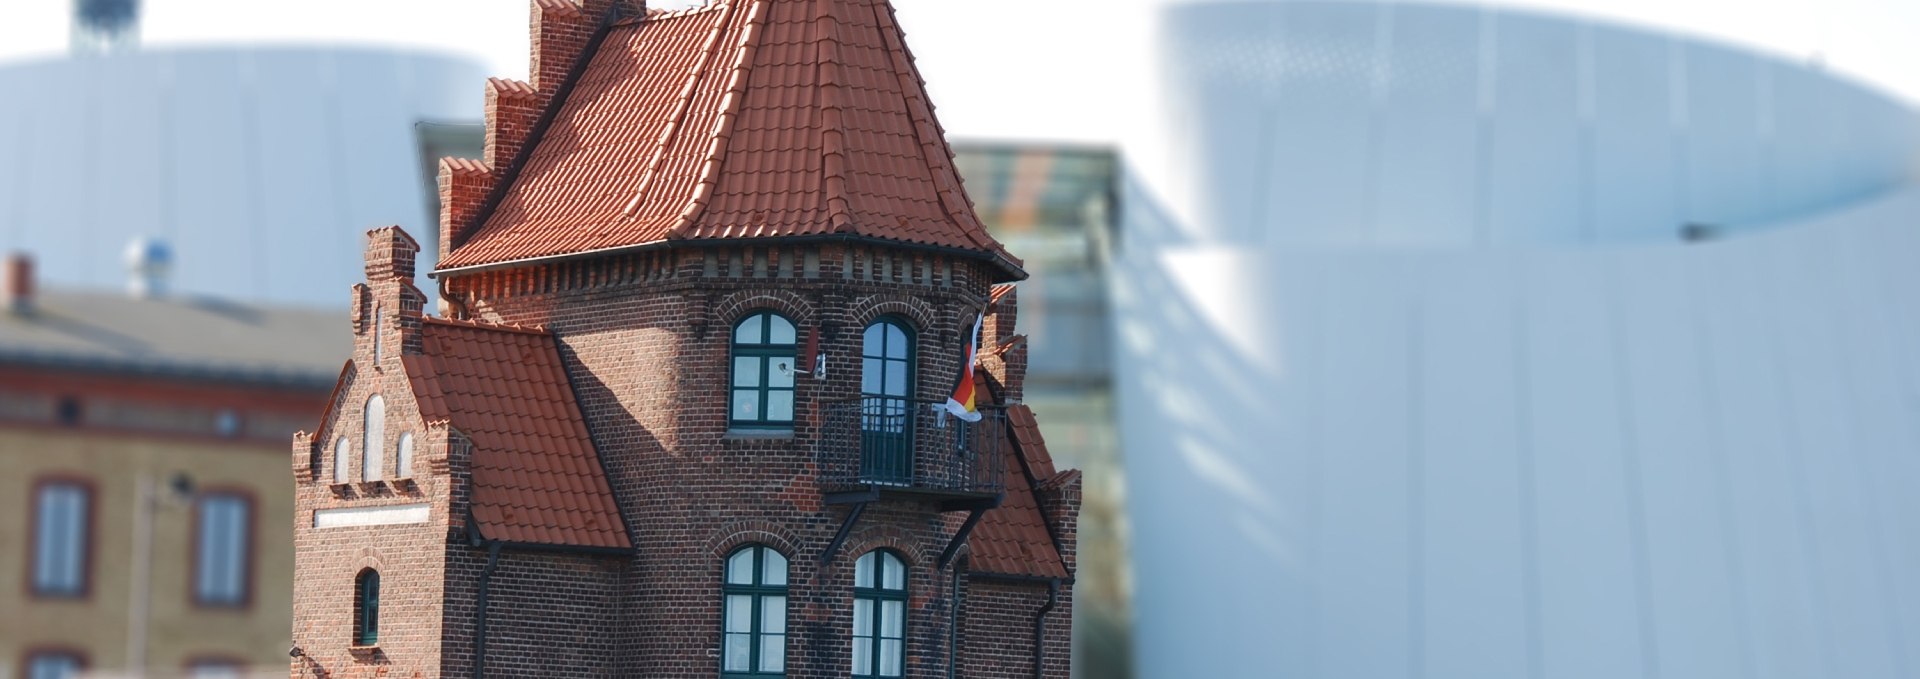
[(682, 411)]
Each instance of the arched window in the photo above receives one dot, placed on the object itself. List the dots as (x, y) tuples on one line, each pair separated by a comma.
[(886, 404), (764, 344), (879, 615), (375, 431), (403, 456), (756, 613), (366, 608), (342, 460)]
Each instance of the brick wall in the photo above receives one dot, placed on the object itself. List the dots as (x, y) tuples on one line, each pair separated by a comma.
[(646, 339), (997, 629)]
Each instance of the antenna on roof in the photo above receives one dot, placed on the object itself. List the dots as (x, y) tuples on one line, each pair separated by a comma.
[(104, 26)]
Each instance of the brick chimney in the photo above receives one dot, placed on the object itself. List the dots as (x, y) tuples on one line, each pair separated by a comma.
[(19, 283)]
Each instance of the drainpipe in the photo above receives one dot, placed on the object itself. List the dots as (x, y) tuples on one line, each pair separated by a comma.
[(953, 624), (1040, 629), (480, 611)]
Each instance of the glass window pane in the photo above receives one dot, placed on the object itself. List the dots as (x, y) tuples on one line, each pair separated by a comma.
[(863, 570), (52, 667), (738, 652), (746, 405), (891, 657), (781, 373), (870, 372), (773, 653), (894, 572), (780, 331), (740, 567), (773, 615), (892, 617), (746, 371), (739, 613), (779, 406), (896, 342), (873, 343), (896, 379), (863, 617), (862, 657), (775, 570), (749, 331)]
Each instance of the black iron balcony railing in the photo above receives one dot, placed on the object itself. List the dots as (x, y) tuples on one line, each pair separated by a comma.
[(888, 442)]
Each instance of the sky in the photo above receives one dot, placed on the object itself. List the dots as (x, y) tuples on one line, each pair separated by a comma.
[(998, 69)]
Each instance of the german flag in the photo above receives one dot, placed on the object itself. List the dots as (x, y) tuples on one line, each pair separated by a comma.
[(962, 403)]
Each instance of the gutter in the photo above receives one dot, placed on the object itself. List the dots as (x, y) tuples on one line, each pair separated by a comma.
[(995, 258)]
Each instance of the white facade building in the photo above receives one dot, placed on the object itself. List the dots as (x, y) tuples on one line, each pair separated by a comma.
[(1466, 342), (261, 167)]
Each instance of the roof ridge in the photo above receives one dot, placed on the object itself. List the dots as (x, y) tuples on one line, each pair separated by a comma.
[(833, 143), (961, 216), (539, 331), (723, 126), (687, 94)]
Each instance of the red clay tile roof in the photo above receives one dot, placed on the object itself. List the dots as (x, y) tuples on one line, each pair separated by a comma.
[(536, 476), (1012, 539), (739, 119)]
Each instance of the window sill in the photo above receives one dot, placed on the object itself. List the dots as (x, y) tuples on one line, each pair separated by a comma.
[(364, 652), (737, 433), (47, 596)]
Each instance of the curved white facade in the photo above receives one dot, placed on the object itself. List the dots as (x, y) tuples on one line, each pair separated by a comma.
[(1418, 378), (262, 167)]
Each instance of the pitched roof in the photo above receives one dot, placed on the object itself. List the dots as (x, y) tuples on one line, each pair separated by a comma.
[(177, 336), (1013, 539), (536, 476), (738, 119)]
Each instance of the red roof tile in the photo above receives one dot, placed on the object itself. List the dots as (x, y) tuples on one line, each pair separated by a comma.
[(739, 119), (505, 389), (1013, 539)]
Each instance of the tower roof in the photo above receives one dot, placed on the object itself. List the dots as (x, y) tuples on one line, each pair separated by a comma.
[(740, 119)]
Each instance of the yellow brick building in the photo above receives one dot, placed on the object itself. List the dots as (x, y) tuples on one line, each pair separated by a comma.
[(143, 474)]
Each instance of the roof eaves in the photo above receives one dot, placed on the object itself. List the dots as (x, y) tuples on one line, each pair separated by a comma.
[(171, 369)]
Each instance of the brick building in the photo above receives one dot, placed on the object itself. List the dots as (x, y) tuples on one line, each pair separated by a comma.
[(679, 415)]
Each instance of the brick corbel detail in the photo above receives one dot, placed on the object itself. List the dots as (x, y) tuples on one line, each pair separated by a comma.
[(559, 32), (512, 109), (303, 457), (463, 190)]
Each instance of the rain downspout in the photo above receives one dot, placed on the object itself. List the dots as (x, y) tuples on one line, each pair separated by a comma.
[(1040, 629), (480, 611), (953, 624)]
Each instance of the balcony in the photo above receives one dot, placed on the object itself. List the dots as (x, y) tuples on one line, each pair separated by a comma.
[(882, 446)]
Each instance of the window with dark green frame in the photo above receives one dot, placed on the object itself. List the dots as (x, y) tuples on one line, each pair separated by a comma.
[(886, 402), (755, 613), (764, 346), (879, 615), (366, 608)]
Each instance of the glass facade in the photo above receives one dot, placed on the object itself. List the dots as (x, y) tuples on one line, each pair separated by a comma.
[(1053, 206)]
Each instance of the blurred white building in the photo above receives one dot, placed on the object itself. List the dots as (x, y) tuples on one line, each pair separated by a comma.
[(262, 167), (1464, 342)]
